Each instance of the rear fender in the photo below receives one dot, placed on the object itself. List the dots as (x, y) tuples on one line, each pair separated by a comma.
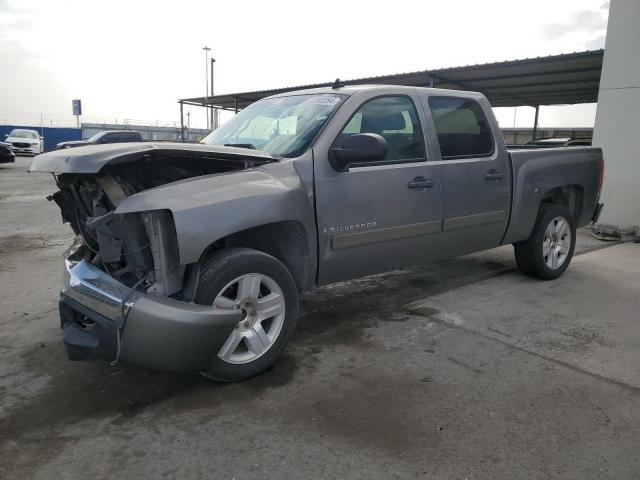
[(538, 174)]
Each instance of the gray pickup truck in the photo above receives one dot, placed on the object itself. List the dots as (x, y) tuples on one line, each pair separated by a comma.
[(192, 257)]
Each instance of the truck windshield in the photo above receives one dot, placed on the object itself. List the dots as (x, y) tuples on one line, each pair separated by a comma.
[(281, 126), (96, 136)]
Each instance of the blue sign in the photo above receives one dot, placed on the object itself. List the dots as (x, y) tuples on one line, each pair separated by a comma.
[(77, 106)]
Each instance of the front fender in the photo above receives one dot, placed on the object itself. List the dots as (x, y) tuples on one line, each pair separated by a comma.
[(206, 209)]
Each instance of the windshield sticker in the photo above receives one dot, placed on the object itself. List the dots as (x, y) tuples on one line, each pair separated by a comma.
[(274, 102), (324, 100)]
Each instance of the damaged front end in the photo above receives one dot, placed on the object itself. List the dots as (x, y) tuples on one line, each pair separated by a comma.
[(137, 249), (126, 296), (102, 318)]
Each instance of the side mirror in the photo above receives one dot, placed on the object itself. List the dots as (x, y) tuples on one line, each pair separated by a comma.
[(358, 148)]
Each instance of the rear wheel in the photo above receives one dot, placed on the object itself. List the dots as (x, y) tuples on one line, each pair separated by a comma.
[(264, 291), (547, 252)]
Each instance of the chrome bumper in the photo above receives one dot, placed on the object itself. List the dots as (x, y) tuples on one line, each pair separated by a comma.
[(155, 332), (94, 289)]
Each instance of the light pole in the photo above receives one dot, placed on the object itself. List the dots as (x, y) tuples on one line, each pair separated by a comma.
[(206, 79), (214, 112)]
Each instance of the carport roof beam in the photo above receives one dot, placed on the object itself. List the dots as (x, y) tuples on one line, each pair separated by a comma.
[(506, 84)]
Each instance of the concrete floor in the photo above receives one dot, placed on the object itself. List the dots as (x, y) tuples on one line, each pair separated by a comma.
[(462, 369)]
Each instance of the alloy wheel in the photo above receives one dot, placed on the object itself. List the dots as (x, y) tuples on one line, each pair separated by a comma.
[(262, 304), (556, 242)]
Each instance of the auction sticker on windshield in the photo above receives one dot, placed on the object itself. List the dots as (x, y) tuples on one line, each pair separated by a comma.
[(324, 100)]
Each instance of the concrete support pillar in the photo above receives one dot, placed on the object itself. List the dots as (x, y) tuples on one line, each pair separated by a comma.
[(617, 123)]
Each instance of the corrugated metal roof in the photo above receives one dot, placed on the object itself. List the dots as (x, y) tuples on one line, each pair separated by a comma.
[(556, 79)]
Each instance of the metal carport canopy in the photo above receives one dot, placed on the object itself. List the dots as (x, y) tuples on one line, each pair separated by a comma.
[(553, 80)]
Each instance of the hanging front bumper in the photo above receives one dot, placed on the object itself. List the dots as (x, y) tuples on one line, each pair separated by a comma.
[(155, 331)]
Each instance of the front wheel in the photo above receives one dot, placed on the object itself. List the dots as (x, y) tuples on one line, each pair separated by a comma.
[(264, 291), (547, 252)]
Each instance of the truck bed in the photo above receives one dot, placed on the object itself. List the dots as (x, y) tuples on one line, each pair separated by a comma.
[(539, 174)]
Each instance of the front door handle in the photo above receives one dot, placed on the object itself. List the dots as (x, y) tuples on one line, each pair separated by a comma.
[(494, 176), (420, 182)]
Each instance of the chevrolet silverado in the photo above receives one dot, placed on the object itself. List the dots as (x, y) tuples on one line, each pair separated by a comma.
[(192, 257)]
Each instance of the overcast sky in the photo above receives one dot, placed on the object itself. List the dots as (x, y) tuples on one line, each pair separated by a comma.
[(134, 59)]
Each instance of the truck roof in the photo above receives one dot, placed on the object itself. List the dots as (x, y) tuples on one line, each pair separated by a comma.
[(119, 131), (353, 89)]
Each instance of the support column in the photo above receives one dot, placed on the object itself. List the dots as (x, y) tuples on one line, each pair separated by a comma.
[(181, 122), (535, 123), (618, 117)]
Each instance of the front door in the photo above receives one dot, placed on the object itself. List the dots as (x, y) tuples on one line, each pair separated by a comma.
[(383, 215)]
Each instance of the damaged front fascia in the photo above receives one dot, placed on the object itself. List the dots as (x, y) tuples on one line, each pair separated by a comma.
[(109, 241), (168, 273), (147, 241), (140, 247), (122, 239)]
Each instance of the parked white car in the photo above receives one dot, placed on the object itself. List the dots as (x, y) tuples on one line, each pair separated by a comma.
[(25, 142)]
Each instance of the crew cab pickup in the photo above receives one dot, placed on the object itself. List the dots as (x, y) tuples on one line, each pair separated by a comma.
[(192, 257)]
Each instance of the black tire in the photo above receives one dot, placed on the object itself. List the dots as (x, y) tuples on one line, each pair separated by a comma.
[(529, 253), (225, 266)]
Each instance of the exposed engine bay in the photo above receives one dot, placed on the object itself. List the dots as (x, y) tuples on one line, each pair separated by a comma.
[(138, 249)]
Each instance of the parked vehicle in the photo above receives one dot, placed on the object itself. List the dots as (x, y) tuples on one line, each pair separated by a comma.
[(6, 154), (551, 142), (25, 142), (191, 257), (106, 136)]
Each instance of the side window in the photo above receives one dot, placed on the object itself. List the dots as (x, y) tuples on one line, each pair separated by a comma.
[(394, 118), (130, 137), (461, 126), (111, 138)]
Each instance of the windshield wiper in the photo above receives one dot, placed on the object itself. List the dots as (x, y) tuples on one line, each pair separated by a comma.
[(240, 145)]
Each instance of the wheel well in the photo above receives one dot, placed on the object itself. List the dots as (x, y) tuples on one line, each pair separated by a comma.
[(286, 241), (570, 196)]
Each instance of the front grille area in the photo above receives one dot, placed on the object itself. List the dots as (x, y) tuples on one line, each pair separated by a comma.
[(20, 144)]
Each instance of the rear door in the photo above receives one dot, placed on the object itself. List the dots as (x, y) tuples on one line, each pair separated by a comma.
[(378, 216), (474, 173)]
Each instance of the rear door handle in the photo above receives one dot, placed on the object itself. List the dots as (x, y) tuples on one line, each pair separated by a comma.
[(494, 176), (420, 182)]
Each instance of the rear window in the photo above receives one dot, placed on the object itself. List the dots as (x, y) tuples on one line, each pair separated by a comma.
[(461, 126)]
